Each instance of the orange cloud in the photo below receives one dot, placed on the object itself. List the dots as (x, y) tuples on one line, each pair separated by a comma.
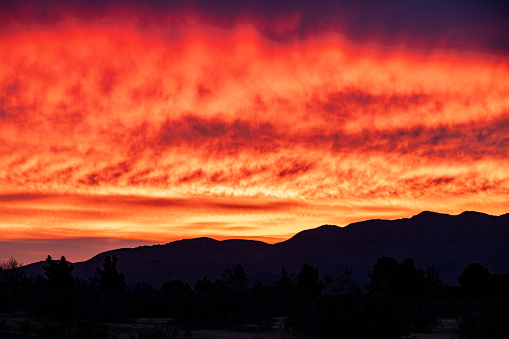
[(112, 130)]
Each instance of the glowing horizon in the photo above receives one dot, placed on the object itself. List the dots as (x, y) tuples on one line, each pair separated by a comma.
[(182, 127)]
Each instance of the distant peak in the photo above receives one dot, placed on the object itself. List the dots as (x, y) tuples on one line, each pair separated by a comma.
[(326, 226), (474, 213), (428, 213), (321, 229), (201, 239), (464, 213)]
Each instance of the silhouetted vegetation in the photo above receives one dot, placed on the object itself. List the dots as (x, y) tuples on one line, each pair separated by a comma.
[(399, 299), (60, 288), (12, 278), (111, 291), (485, 298)]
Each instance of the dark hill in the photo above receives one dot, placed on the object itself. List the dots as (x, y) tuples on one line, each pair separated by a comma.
[(449, 242)]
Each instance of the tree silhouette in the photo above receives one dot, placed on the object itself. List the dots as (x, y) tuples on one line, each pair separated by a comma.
[(144, 295), (347, 286), (206, 286), (500, 284), (112, 287), (385, 274), (175, 288), (109, 278), (485, 314), (236, 278), (307, 280), (14, 276), (11, 269), (176, 295), (211, 300), (59, 274), (285, 281), (61, 287), (411, 278), (397, 279), (475, 280), (433, 277)]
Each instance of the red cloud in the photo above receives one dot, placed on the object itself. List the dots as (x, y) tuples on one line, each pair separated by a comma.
[(95, 109)]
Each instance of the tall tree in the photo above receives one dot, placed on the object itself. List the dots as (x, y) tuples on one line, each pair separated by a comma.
[(385, 274), (59, 274), (113, 287), (308, 281), (284, 281), (61, 287), (109, 278), (411, 279)]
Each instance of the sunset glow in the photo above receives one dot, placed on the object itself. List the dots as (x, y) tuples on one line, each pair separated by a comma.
[(112, 127)]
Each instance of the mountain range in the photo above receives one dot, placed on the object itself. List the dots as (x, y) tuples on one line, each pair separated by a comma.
[(449, 242)]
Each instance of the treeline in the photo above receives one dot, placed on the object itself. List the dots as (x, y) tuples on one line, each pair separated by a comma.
[(400, 298)]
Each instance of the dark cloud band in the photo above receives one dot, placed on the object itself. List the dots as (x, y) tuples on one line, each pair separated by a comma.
[(459, 25)]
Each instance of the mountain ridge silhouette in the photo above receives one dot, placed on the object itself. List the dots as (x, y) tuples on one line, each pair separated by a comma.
[(450, 242)]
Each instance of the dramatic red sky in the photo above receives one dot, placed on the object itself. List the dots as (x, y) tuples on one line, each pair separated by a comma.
[(124, 124)]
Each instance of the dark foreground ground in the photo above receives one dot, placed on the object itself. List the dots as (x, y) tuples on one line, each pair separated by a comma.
[(159, 328)]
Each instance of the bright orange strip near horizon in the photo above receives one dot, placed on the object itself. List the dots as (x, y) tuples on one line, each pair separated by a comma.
[(111, 131)]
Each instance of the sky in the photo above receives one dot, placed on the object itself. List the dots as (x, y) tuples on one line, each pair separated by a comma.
[(126, 123)]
